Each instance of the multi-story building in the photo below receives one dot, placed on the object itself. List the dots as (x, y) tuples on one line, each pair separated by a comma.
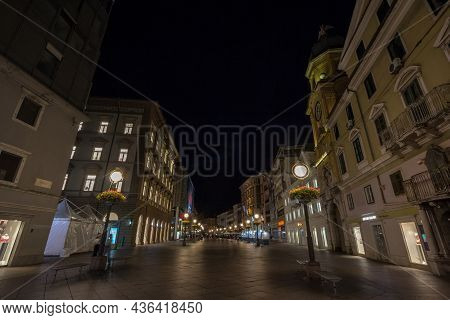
[(294, 214), (107, 142), (48, 51), (222, 219), (327, 84), (157, 156), (387, 136), (256, 198)]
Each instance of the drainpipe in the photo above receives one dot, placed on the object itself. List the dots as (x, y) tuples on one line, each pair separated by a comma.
[(370, 145)]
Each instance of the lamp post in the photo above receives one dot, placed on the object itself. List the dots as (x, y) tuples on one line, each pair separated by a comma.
[(301, 172), (194, 228), (257, 221), (115, 177), (247, 228), (185, 221)]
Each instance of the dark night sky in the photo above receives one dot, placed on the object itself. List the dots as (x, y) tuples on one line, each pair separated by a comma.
[(217, 63)]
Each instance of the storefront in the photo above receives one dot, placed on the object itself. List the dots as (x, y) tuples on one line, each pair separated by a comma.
[(359, 243), (9, 230), (413, 243)]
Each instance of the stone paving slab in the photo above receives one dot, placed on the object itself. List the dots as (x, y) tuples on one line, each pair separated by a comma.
[(223, 269)]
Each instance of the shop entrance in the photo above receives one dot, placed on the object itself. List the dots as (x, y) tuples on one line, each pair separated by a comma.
[(8, 234), (380, 241), (359, 240), (413, 243)]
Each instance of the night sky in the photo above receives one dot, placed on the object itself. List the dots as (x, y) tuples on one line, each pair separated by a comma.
[(218, 63)]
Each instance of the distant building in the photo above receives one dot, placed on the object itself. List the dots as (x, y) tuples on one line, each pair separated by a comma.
[(45, 79), (183, 201)]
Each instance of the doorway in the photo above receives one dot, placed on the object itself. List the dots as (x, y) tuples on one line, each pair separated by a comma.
[(359, 241), (9, 230), (413, 243), (380, 242)]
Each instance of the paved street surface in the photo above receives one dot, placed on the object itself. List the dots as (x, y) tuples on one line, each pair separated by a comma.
[(223, 269)]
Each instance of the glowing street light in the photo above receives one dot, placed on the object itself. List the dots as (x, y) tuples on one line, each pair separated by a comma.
[(300, 171)]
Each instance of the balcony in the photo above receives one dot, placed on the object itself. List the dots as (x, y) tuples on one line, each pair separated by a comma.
[(427, 185), (425, 113)]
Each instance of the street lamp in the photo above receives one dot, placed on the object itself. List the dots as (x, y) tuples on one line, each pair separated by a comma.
[(247, 228), (301, 172), (186, 217), (115, 177)]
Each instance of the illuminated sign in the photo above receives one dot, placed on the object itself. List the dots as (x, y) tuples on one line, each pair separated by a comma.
[(368, 218)]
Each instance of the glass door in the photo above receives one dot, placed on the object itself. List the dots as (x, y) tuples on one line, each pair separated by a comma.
[(380, 242), (359, 240), (413, 243), (8, 234)]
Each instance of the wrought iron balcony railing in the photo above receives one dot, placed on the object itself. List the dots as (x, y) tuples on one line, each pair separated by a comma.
[(427, 185), (417, 114)]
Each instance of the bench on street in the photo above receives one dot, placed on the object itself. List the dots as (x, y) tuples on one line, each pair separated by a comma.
[(65, 267), (328, 277)]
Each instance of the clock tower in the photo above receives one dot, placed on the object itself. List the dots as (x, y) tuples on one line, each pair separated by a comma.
[(327, 84)]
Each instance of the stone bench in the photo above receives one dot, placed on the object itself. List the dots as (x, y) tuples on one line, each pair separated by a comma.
[(65, 267), (329, 277)]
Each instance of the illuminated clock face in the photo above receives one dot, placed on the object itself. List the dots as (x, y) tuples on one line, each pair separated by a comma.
[(318, 111)]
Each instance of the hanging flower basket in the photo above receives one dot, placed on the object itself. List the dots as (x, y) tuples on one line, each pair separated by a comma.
[(111, 196), (304, 194)]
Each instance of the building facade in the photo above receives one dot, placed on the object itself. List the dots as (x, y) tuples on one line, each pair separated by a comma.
[(386, 134), (107, 142), (294, 214), (281, 179), (157, 158), (45, 79)]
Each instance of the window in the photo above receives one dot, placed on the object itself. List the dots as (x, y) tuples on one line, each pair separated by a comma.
[(412, 92), (383, 11), (396, 48), (103, 127), (63, 25), (128, 128), (29, 112), (314, 183), (336, 131), (397, 183), (119, 185), (369, 194), (436, 5), (350, 203), (369, 83), (97, 153), (349, 111), (50, 61), (80, 126), (342, 165), (9, 166), (74, 148), (144, 188), (123, 154), (381, 127), (360, 50), (358, 150), (89, 182), (66, 177)]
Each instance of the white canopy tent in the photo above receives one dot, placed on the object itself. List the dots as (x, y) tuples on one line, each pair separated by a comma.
[(74, 229)]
